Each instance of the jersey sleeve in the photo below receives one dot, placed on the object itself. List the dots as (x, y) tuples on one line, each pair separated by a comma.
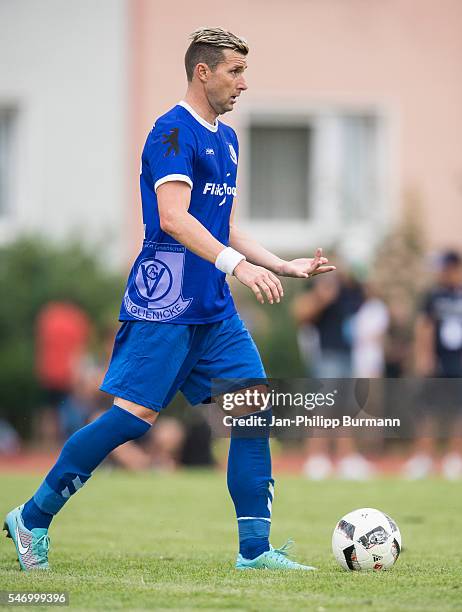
[(171, 152)]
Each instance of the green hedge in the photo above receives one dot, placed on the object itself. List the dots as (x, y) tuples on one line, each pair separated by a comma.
[(33, 272)]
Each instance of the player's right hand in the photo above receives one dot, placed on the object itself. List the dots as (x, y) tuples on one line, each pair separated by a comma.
[(260, 280)]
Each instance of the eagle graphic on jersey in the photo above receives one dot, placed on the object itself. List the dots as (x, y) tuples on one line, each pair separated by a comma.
[(172, 141)]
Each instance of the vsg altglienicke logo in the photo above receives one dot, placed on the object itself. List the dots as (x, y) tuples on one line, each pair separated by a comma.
[(156, 291)]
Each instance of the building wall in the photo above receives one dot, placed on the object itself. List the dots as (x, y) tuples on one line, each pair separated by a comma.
[(400, 58), (86, 81), (63, 71)]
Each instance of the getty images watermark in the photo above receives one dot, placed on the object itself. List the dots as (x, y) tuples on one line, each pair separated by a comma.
[(308, 402), (303, 407), (336, 407)]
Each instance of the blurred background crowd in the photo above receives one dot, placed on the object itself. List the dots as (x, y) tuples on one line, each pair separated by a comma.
[(340, 326), (349, 139)]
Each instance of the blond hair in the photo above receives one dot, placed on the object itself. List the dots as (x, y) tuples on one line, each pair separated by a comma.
[(207, 46)]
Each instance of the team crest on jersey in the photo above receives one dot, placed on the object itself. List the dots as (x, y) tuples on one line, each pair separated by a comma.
[(153, 280), (232, 153), (156, 291)]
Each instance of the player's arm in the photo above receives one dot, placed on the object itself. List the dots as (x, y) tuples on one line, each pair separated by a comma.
[(258, 255), (254, 252), (173, 199)]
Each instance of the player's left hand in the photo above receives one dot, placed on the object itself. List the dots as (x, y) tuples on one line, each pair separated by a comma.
[(306, 267)]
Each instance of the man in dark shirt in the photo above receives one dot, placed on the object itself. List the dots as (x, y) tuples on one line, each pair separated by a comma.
[(438, 354), (325, 317), (329, 307)]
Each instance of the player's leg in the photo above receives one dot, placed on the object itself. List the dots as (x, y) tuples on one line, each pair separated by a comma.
[(251, 485), (139, 394), (28, 524), (81, 455), (231, 355), (249, 478)]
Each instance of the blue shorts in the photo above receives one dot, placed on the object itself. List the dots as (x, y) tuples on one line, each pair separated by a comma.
[(152, 361)]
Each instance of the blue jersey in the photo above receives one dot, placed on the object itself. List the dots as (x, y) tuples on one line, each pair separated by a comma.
[(169, 283)]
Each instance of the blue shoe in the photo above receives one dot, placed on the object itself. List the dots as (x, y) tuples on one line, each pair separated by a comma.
[(273, 559), (31, 546)]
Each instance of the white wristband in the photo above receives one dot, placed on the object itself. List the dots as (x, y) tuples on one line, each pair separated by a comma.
[(228, 259)]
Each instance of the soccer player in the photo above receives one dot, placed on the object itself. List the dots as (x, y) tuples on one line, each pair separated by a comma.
[(179, 327)]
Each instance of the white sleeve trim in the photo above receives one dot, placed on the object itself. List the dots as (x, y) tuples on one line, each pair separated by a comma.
[(173, 177)]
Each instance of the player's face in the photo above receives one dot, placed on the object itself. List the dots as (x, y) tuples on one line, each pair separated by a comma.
[(226, 83)]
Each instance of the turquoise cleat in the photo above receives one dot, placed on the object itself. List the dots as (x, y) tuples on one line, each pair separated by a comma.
[(273, 559), (31, 546)]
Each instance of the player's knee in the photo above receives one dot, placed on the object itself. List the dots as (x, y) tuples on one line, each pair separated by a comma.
[(147, 414)]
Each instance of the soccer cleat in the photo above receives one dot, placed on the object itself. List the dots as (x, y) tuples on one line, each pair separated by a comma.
[(31, 545), (273, 559)]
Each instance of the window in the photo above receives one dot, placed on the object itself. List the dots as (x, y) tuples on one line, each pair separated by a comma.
[(322, 167), (279, 157), (7, 118), (358, 178)]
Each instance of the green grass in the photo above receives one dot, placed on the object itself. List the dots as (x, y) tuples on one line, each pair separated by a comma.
[(169, 542)]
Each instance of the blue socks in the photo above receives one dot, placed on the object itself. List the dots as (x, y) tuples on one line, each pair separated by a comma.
[(249, 473), (33, 517), (250, 483), (81, 454)]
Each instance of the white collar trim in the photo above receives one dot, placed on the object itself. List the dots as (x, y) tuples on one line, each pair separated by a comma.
[(212, 127)]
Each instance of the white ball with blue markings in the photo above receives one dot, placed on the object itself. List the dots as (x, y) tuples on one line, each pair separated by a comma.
[(366, 539)]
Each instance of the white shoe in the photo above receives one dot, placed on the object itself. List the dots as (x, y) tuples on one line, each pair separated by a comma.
[(418, 466), (318, 467), (451, 466), (355, 467)]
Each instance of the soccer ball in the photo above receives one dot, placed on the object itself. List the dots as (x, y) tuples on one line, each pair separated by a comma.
[(366, 539)]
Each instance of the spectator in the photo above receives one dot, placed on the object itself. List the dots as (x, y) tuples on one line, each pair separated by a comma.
[(398, 339), (438, 353), (369, 329), (325, 317), (62, 335), (326, 311)]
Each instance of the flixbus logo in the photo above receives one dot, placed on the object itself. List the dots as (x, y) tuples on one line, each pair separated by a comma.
[(219, 189)]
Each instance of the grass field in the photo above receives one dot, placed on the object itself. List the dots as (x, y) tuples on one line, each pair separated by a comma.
[(169, 542)]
